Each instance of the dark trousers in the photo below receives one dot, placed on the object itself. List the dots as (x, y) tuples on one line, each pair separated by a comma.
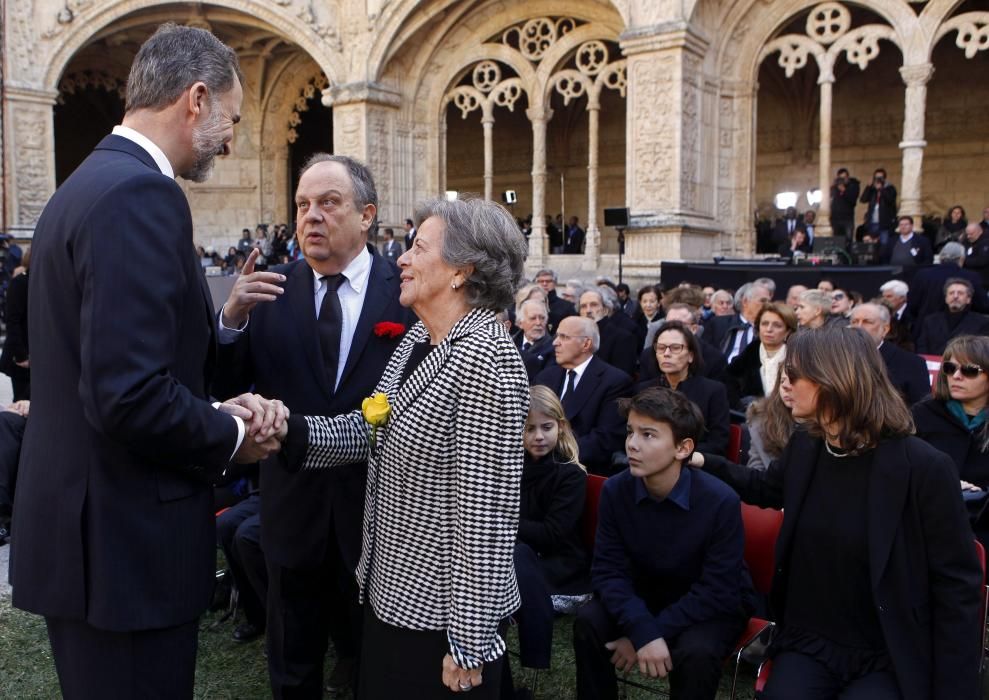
[(147, 664), (698, 654), (238, 523), (535, 617), (796, 675), (306, 608), (408, 663)]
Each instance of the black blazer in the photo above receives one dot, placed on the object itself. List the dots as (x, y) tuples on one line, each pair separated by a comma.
[(926, 580), (934, 333), (559, 309), (907, 371), (712, 399), (618, 346), (943, 431), (299, 512), (552, 504), (592, 410), (114, 505), (926, 295), (538, 356)]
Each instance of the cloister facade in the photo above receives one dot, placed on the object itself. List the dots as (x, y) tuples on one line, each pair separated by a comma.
[(693, 114)]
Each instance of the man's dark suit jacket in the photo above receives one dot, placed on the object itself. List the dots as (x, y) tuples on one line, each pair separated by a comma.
[(573, 240), (926, 580), (279, 355), (977, 258), (926, 295), (618, 346), (907, 371), (593, 410), (559, 309), (114, 505), (782, 234), (721, 331), (538, 356), (934, 332), (392, 250)]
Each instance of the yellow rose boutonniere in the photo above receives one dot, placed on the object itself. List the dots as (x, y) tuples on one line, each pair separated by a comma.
[(376, 411)]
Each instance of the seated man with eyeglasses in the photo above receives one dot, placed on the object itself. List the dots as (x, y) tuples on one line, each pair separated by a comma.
[(589, 389)]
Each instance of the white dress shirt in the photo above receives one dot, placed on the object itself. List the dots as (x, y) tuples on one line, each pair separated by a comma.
[(579, 369), (148, 145), (352, 294)]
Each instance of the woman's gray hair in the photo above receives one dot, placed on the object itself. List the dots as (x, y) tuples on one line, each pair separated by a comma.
[(818, 298), (481, 234), (174, 58)]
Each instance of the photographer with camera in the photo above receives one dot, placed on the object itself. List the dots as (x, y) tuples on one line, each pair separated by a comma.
[(880, 196), (844, 196)]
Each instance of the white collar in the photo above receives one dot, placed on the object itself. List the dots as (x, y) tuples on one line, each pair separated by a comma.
[(905, 240), (148, 145), (356, 272)]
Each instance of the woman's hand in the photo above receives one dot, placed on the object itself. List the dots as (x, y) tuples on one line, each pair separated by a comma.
[(460, 680), (265, 418)]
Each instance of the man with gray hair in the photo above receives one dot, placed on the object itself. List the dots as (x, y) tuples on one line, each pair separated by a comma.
[(895, 294), (534, 342), (732, 334), (618, 345), (926, 295), (907, 371), (116, 541), (958, 319), (589, 389), (559, 308)]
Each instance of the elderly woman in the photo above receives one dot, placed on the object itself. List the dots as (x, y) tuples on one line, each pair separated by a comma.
[(881, 601), (954, 419), (813, 309), (754, 372), (678, 353), (443, 440)]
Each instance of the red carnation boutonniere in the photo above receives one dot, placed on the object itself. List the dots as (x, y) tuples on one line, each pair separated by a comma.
[(387, 329)]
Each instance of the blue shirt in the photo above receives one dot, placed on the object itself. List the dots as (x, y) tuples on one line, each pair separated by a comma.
[(661, 566)]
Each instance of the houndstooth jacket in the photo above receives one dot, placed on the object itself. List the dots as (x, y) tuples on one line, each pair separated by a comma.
[(442, 503)]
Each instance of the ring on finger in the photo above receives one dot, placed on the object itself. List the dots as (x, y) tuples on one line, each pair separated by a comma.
[(465, 686)]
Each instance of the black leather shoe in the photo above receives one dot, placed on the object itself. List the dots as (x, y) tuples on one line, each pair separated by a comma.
[(342, 678), (246, 632)]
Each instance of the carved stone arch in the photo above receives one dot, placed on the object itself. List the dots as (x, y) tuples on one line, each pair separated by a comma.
[(972, 32), (560, 51), (401, 19), (90, 21)]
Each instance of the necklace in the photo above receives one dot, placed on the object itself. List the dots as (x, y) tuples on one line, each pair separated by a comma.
[(833, 453)]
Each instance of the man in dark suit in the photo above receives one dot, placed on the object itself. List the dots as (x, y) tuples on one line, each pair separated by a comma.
[(311, 521), (573, 238), (844, 197), (785, 228), (880, 200), (116, 542), (410, 234), (732, 334), (937, 329), (559, 308), (534, 343), (926, 294), (618, 346), (391, 249), (909, 248), (590, 389), (977, 253), (907, 371)]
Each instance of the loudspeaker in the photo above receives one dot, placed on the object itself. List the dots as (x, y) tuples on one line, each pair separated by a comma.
[(509, 197), (616, 216)]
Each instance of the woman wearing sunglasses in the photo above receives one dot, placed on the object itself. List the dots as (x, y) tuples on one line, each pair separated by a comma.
[(954, 420), (877, 589)]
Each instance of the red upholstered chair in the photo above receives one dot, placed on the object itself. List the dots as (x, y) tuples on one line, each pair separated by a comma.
[(589, 521), (767, 667), (933, 367), (734, 443), (762, 527)]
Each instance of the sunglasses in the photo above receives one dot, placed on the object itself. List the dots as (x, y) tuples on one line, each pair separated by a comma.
[(968, 371)]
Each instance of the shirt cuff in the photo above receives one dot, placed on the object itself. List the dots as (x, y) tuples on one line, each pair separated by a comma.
[(241, 431), (226, 336)]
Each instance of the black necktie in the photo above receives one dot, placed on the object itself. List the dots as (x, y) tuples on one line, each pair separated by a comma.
[(571, 380), (526, 345), (329, 324)]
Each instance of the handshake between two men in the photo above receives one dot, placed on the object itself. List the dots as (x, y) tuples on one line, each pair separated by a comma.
[(265, 425)]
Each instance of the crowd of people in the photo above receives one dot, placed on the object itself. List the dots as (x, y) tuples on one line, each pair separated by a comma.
[(421, 434)]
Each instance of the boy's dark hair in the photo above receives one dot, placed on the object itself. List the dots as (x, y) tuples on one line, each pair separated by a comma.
[(667, 406)]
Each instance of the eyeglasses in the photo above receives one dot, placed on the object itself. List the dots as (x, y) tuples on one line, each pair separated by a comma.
[(675, 348), (564, 337), (968, 371)]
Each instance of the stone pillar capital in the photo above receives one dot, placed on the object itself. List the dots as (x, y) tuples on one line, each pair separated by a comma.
[(661, 37), (535, 114), (917, 74), (351, 93), (15, 93)]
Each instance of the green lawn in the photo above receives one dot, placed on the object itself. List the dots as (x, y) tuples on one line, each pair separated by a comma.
[(230, 670)]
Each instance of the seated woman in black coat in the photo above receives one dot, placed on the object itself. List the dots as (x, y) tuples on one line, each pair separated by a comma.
[(954, 420), (679, 355), (550, 559), (877, 590), (754, 372)]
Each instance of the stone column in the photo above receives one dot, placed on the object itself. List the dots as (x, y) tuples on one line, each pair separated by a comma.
[(487, 121), (364, 128), (915, 77), (592, 240), (29, 156), (538, 244), (823, 224)]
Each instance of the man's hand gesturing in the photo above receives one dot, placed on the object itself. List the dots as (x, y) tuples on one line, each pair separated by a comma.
[(249, 290)]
